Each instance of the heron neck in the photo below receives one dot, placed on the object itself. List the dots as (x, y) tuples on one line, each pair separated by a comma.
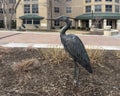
[(66, 27)]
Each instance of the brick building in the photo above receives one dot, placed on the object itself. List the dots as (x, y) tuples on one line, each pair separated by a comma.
[(33, 14)]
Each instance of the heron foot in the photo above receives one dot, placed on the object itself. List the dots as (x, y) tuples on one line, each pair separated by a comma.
[(76, 83)]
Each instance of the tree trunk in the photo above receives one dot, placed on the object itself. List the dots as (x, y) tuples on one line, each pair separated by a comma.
[(7, 15), (4, 13)]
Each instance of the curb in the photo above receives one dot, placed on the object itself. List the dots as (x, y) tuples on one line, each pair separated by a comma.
[(20, 45)]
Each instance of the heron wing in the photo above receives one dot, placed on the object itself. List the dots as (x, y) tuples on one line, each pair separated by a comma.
[(76, 49)]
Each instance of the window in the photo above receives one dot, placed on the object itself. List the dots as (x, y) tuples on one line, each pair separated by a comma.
[(108, 8), (117, 8), (56, 9), (24, 21), (10, 10), (34, 8), (1, 24), (109, 0), (1, 11), (34, 0), (56, 23), (36, 21), (12, 1), (26, 0), (109, 22), (97, 0), (56, 0), (68, 9), (27, 8), (88, 9), (88, 1), (97, 8), (68, 0), (117, 1), (27, 21)]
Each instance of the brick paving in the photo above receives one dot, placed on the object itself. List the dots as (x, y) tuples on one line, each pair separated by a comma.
[(53, 38)]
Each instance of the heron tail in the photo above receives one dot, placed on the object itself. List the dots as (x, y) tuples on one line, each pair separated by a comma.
[(89, 69), (86, 65)]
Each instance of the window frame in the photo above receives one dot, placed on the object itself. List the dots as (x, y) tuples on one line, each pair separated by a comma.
[(35, 8), (26, 8), (68, 9), (56, 9), (98, 8), (109, 9), (87, 1), (88, 9)]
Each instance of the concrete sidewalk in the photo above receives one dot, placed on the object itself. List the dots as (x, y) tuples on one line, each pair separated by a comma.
[(50, 40)]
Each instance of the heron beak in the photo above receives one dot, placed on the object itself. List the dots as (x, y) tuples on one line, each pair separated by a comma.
[(71, 18), (54, 19), (59, 18), (51, 19)]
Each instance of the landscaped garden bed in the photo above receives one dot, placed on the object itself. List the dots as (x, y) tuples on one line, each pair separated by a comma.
[(49, 72)]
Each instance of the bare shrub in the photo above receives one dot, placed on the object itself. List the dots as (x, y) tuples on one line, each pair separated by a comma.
[(55, 55), (96, 56), (117, 54), (4, 50)]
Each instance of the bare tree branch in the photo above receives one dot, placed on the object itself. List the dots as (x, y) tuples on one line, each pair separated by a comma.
[(16, 5)]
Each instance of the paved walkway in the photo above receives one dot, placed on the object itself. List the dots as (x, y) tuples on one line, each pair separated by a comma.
[(45, 40)]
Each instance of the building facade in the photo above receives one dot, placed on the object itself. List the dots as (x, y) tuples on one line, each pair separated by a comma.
[(100, 13), (29, 11), (31, 14), (71, 8)]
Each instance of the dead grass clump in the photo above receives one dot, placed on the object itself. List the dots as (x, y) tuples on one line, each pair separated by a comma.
[(23, 69), (96, 56), (55, 55), (117, 54), (4, 50)]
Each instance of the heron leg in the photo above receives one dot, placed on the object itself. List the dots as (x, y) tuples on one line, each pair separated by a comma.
[(76, 73)]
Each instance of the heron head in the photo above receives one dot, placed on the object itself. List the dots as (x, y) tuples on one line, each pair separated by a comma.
[(62, 18)]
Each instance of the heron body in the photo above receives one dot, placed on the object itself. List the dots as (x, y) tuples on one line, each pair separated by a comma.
[(74, 46)]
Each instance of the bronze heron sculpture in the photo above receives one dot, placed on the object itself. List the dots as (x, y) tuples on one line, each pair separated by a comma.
[(74, 46)]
